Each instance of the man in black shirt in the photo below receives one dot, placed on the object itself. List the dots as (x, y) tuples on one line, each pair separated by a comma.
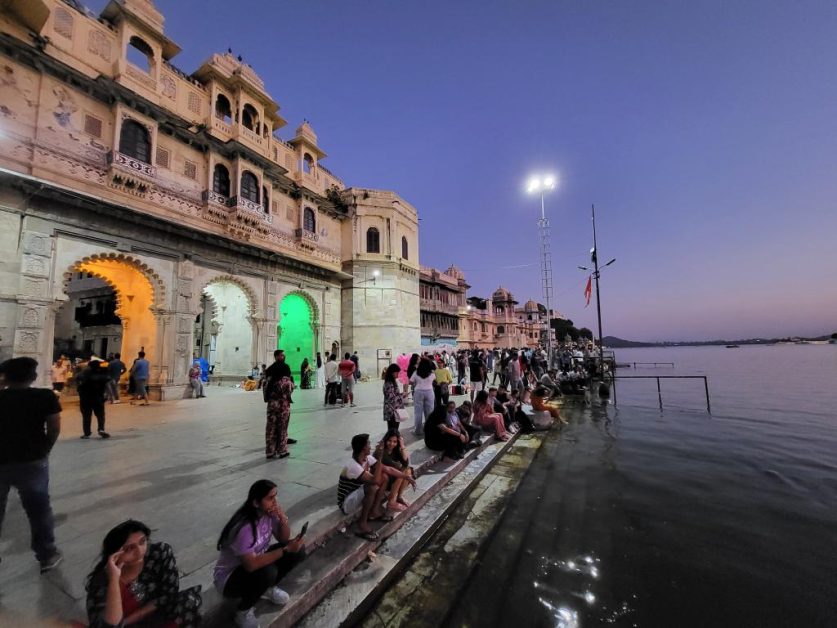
[(92, 383), (275, 372), (477, 373), (29, 426)]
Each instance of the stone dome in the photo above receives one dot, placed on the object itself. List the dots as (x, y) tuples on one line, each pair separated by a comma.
[(530, 306), (501, 294)]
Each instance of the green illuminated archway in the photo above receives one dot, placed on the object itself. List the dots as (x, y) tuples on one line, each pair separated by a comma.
[(295, 333)]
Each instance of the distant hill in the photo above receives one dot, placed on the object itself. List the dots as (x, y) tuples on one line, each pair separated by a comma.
[(614, 342)]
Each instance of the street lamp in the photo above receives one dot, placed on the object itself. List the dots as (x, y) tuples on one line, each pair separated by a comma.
[(541, 184), (375, 274)]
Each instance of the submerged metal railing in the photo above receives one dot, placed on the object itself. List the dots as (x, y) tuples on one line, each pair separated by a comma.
[(634, 364), (659, 389)]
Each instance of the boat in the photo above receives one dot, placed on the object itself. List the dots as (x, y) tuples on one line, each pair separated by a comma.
[(732, 346)]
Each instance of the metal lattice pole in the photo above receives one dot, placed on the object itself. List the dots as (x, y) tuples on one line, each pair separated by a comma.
[(546, 277)]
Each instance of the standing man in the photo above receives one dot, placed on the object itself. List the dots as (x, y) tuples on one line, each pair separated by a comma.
[(116, 367), (332, 377), (477, 373), (356, 360), (347, 374), (58, 372), (278, 386), (139, 371), (92, 382), (28, 430)]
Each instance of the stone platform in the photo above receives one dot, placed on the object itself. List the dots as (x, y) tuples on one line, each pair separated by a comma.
[(183, 467)]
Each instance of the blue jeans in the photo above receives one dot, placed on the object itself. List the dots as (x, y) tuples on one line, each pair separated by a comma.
[(31, 479), (423, 402)]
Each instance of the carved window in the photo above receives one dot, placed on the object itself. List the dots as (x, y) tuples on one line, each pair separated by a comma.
[(290, 213), (307, 163), (289, 162), (309, 222), (373, 240), (194, 103), (274, 207), (223, 110), (169, 87), (250, 186), (63, 23), (265, 201), (250, 118), (221, 180), (190, 169), (135, 141), (92, 125), (501, 329), (163, 157), (140, 54), (405, 248)]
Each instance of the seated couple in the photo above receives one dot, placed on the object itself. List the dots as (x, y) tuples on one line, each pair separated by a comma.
[(446, 430), (375, 484)]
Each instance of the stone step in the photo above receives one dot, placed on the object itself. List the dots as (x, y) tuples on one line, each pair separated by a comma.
[(334, 550)]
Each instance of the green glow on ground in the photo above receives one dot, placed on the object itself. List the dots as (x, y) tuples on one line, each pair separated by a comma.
[(295, 334)]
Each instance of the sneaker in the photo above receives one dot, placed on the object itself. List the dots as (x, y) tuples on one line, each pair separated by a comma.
[(291, 441), (277, 596), (52, 562), (103, 434), (85, 436), (352, 405), (246, 619)]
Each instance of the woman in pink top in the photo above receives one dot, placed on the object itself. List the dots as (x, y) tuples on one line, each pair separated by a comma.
[(486, 418)]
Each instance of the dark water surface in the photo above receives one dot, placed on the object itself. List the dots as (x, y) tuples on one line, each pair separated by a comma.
[(633, 517)]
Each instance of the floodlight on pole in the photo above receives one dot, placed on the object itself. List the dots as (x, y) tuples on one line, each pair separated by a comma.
[(541, 184)]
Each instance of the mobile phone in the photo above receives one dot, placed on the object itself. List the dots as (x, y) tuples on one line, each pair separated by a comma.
[(304, 530)]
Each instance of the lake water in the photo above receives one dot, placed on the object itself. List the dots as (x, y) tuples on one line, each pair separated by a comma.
[(634, 517)]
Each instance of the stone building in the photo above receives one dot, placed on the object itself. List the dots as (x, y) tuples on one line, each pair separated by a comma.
[(176, 195), (495, 322), (442, 295)]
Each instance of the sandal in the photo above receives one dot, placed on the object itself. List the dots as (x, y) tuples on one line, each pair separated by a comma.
[(368, 536)]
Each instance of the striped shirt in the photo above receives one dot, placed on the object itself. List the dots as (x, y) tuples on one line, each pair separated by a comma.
[(350, 478)]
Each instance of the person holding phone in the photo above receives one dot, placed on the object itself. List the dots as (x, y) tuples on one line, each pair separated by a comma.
[(392, 453), (136, 582), (249, 565)]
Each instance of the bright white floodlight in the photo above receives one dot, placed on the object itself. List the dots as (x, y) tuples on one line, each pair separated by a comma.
[(541, 184), (376, 273)]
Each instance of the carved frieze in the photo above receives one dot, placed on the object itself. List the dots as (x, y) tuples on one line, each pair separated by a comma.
[(99, 44), (37, 244), (35, 265), (27, 342), (33, 287)]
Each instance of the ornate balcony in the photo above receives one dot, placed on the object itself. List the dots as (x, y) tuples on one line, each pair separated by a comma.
[(130, 175), (306, 238)]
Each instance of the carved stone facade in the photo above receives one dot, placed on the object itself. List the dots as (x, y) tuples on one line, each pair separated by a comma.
[(160, 183)]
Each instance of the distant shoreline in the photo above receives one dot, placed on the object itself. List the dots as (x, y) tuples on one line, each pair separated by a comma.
[(612, 342)]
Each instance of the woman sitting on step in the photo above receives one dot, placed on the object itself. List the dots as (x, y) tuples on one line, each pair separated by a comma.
[(539, 398), (249, 566), (445, 432), (393, 453), (486, 418), (136, 582)]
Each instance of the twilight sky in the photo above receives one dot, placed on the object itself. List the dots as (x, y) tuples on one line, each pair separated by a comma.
[(704, 132)]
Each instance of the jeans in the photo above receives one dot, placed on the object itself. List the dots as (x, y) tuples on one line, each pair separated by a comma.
[(112, 390), (197, 386), (31, 479), (423, 401), (250, 586), (92, 406), (142, 393)]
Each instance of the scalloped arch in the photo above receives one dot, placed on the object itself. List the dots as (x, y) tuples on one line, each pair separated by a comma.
[(158, 288), (249, 294), (315, 310)]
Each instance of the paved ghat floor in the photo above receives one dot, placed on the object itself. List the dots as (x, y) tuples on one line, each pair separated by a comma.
[(182, 467)]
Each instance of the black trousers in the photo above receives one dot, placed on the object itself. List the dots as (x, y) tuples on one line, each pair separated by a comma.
[(251, 585), (90, 407)]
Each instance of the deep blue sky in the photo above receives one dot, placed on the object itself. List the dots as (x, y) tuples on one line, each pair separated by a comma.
[(704, 132)]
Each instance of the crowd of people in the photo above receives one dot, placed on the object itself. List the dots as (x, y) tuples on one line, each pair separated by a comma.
[(136, 580)]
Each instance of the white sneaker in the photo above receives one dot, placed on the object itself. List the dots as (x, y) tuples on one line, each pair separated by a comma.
[(277, 596), (246, 619)]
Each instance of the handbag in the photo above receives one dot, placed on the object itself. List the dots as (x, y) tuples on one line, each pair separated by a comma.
[(401, 415)]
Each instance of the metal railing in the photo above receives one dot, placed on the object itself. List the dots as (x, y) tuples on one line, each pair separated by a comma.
[(659, 389), (634, 364)]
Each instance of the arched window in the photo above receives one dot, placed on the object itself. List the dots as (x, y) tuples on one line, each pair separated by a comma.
[(250, 186), (373, 240), (140, 54), (250, 118), (223, 110), (135, 141), (405, 249), (501, 329), (221, 180), (476, 326), (309, 222), (307, 163), (265, 201)]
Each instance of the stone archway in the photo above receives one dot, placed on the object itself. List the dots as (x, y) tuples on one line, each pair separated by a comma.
[(138, 291), (298, 329), (224, 327)]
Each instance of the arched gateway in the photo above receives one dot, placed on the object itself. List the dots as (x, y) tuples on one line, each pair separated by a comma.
[(297, 330)]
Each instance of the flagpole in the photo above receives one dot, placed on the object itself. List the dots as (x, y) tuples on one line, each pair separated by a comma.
[(598, 301)]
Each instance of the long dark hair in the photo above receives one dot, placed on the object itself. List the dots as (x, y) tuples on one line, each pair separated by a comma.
[(424, 368), (392, 371), (248, 513), (411, 367), (114, 540)]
